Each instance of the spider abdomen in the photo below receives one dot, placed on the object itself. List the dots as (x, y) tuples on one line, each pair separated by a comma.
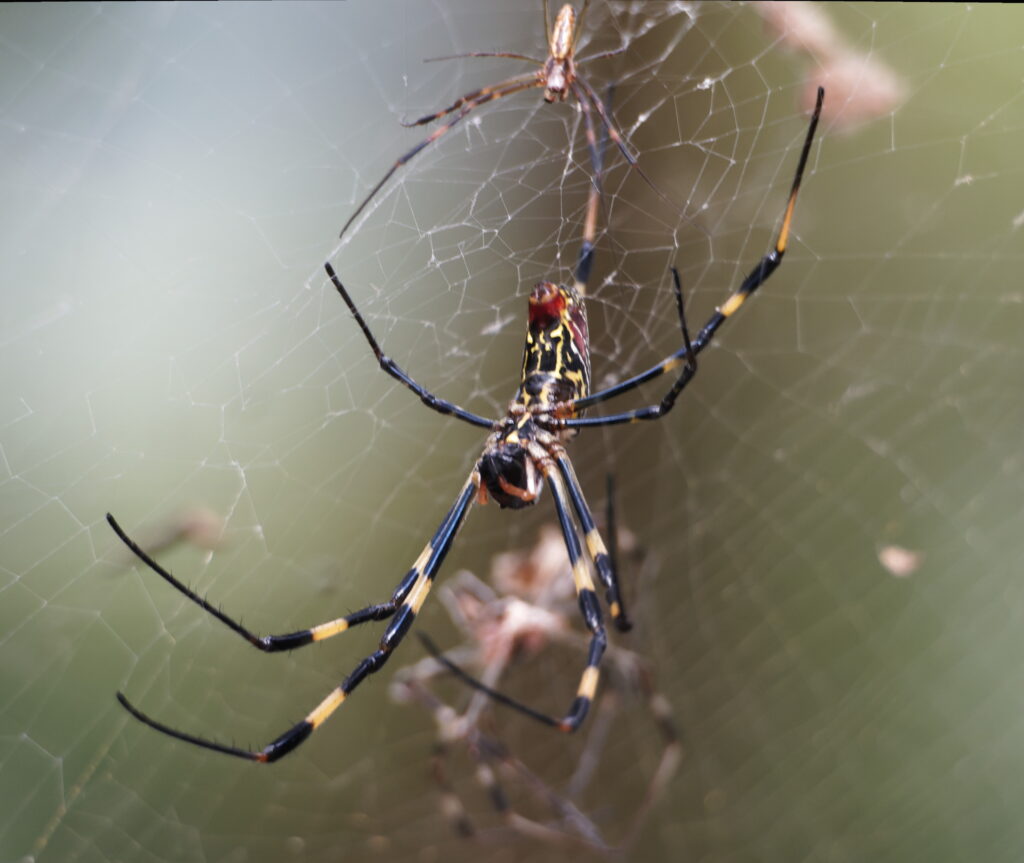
[(558, 73), (556, 357)]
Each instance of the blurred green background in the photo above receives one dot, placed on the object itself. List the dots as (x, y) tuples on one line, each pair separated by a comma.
[(173, 178)]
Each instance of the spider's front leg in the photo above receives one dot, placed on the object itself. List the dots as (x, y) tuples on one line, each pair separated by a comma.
[(270, 643), (433, 402), (686, 356)]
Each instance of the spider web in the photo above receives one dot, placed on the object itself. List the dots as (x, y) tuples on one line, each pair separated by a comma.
[(831, 515)]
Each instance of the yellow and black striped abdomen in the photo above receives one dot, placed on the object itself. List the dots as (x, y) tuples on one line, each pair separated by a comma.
[(556, 358)]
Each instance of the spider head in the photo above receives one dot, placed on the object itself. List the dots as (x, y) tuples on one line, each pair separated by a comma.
[(510, 475)]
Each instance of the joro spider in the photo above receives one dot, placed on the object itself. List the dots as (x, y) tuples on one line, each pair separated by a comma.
[(524, 449), (558, 77)]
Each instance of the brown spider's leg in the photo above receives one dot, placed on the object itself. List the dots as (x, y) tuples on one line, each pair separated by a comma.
[(585, 258), (488, 753), (442, 406), (419, 579), (604, 55), (451, 804), (523, 83), (613, 133), (603, 562), (590, 610), (684, 356), (579, 25), (596, 158), (467, 54), (488, 750), (671, 754), (447, 722), (475, 94)]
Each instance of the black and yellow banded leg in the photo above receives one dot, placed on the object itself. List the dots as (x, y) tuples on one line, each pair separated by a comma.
[(487, 94), (273, 643), (604, 563), (416, 586), (589, 608), (757, 277), (669, 399)]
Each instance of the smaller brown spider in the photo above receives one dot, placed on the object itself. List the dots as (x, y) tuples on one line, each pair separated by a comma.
[(557, 76)]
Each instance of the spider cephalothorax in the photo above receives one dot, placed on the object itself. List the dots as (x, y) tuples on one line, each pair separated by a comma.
[(509, 475)]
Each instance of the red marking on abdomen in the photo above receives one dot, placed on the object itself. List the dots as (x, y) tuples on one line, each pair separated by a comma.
[(546, 306)]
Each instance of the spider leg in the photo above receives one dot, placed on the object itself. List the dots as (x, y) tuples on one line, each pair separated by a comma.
[(413, 682), (596, 156), (604, 563), (587, 93), (416, 585), (507, 54), (671, 754), (392, 368), (604, 55), (451, 804), (272, 643), (610, 524), (667, 402), (488, 94), (490, 756), (475, 95), (489, 753), (590, 610), (579, 24), (686, 355), (585, 258)]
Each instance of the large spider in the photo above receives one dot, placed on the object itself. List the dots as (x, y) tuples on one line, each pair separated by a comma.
[(524, 450), (558, 77)]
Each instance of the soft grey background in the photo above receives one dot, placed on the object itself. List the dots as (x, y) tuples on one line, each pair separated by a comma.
[(173, 177)]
